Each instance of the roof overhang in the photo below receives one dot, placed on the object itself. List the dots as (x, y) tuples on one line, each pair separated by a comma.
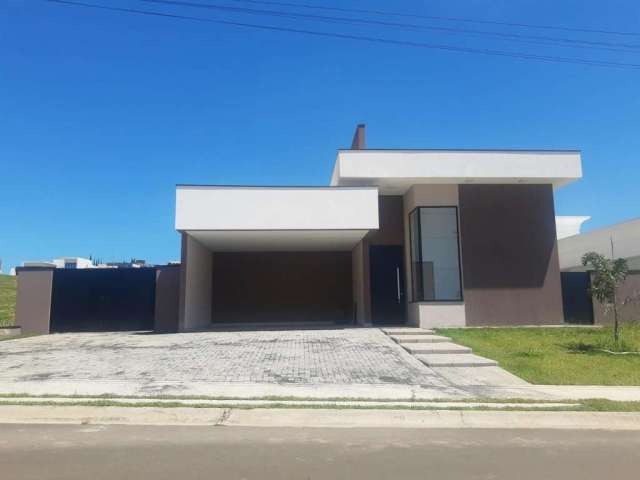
[(395, 171), (276, 218)]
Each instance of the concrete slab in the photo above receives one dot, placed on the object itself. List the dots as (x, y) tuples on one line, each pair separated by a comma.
[(455, 360), (419, 338), (471, 376), (435, 348)]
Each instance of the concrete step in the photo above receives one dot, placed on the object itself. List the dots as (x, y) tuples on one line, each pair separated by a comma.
[(402, 339), (440, 348), (456, 360), (407, 331)]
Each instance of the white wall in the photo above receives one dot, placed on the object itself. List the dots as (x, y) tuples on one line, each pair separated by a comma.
[(567, 226), (436, 315), (276, 208), (195, 308)]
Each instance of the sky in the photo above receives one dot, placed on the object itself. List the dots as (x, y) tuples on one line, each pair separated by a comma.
[(102, 113)]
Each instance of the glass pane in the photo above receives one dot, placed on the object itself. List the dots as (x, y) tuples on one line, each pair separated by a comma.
[(440, 261)]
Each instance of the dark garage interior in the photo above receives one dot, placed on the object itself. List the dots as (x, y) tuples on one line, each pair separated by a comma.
[(282, 287)]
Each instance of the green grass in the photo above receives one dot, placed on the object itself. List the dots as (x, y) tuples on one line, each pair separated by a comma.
[(558, 356), (590, 405), (7, 300)]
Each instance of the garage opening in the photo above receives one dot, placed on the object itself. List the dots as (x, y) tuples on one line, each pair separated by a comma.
[(103, 299), (292, 287)]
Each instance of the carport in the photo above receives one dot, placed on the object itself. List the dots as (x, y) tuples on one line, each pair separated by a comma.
[(271, 254)]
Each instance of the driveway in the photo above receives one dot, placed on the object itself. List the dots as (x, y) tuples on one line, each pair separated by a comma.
[(333, 362)]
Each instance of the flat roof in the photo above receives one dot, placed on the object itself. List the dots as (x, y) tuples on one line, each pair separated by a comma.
[(395, 171)]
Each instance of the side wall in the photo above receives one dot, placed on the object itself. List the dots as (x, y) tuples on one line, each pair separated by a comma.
[(429, 314), (167, 306), (510, 265), (631, 311), (33, 303), (195, 285)]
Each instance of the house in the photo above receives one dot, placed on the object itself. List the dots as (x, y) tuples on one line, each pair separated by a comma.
[(422, 237), (432, 238), (621, 240), (62, 262)]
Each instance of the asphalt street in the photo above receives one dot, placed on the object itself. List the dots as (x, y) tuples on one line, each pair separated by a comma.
[(196, 452)]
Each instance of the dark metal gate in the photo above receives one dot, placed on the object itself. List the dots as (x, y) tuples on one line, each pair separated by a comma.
[(103, 299), (576, 301)]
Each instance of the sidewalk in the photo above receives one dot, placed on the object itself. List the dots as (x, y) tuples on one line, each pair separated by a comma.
[(317, 418)]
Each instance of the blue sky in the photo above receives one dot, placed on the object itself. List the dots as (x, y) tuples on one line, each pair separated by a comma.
[(102, 113)]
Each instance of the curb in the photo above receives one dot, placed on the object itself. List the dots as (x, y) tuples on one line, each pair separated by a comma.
[(317, 418)]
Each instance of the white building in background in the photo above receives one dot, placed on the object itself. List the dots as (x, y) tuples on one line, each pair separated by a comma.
[(624, 236), (62, 262)]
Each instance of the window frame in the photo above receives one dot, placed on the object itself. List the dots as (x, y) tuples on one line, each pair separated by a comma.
[(411, 260)]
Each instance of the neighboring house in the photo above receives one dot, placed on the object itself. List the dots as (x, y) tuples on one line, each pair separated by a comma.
[(133, 263), (621, 240), (424, 237), (62, 262)]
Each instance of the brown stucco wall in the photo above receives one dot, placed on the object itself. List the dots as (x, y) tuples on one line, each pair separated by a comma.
[(630, 311), (167, 302), (33, 303), (391, 229), (510, 267), (282, 287), (390, 232)]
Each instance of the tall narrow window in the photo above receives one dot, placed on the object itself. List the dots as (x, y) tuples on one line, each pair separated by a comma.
[(435, 260)]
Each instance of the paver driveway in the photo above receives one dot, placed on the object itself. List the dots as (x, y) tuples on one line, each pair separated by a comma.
[(126, 362)]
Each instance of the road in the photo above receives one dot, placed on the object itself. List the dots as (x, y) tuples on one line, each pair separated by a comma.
[(72, 452)]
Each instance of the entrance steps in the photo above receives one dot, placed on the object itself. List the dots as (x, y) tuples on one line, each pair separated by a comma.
[(407, 331), (436, 350), (456, 360), (405, 339)]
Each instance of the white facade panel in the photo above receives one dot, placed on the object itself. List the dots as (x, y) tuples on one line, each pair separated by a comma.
[(276, 208), (395, 171), (567, 226)]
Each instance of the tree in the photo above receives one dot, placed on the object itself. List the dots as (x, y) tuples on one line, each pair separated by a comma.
[(607, 277)]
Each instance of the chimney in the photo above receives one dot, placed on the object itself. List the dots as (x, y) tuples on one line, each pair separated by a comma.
[(358, 142)]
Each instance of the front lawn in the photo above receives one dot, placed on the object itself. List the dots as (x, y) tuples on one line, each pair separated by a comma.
[(7, 300), (557, 356)]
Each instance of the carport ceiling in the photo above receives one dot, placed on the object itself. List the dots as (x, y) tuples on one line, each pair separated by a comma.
[(278, 240)]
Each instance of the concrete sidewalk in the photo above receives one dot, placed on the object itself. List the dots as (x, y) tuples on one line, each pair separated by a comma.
[(318, 418)]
